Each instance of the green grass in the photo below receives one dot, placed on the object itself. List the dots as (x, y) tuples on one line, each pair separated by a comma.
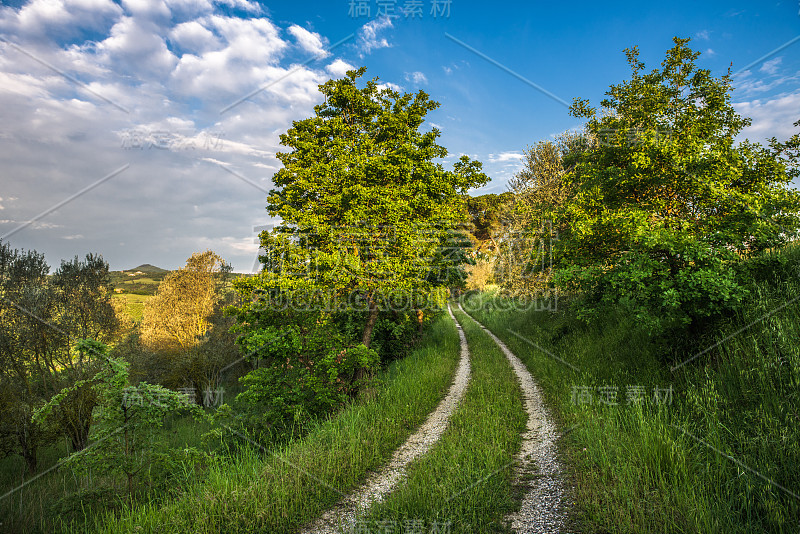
[(58, 498), (278, 490), (465, 480), (636, 467), (134, 304)]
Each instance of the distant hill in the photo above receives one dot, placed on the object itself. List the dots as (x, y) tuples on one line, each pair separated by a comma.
[(147, 268), (141, 280)]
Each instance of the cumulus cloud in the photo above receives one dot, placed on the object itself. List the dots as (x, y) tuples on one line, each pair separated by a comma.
[(368, 38), (416, 78), (339, 68), (168, 67), (48, 19), (245, 5), (771, 117), (390, 85), (505, 157), (308, 41), (194, 38)]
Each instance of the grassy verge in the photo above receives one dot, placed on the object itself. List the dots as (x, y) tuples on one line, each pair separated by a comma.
[(278, 490), (718, 453), (57, 497), (464, 481)]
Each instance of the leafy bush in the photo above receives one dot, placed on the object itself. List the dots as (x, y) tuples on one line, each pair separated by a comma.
[(125, 420), (304, 371)]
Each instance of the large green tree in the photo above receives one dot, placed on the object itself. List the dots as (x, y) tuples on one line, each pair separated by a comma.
[(367, 205), (666, 201), (371, 237)]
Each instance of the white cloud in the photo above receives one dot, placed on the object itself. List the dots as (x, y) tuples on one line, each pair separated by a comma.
[(152, 9), (416, 78), (773, 117), (704, 35), (308, 41), (195, 38), (57, 18), (174, 74), (245, 58), (245, 5), (368, 39), (747, 84), (508, 156), (339, 68), (771, 66), (135, 46), (390, 85)]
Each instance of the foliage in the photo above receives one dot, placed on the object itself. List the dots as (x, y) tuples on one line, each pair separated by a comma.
[(370, 240), (306, 372), (368, 208), (486, 214), (666, 202), (185, 337), (480, 275), (531, 221), (177, 317), (309, 360), (340, 450), (39, 316), (126, 418), (736, 398)]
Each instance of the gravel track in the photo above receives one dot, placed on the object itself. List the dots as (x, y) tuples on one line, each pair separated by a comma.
[(343, 516), (538, 470)]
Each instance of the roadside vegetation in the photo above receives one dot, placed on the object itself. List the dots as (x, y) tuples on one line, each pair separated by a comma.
[(706, 448), (256, 487)]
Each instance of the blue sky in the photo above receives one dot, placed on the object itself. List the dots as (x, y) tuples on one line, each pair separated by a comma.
[(112, 112)]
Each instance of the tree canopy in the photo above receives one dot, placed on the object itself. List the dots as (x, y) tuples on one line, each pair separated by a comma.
[(366, 208), (666, 200)]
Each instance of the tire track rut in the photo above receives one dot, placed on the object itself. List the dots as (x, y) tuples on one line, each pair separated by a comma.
[(538, 469), (343, 516)]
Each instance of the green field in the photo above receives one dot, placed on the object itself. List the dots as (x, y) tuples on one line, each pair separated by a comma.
[(134, 304)]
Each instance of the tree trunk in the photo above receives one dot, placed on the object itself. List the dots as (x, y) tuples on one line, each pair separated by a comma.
[(366, 339), (79, 435), (370, 326), (28, 452)]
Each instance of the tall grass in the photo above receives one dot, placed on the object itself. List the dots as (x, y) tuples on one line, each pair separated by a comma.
[(56, 497), (278, 490), (722, 456)]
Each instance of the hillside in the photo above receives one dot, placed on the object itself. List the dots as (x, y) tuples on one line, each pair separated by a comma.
[(149, 269), (141, 280)]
